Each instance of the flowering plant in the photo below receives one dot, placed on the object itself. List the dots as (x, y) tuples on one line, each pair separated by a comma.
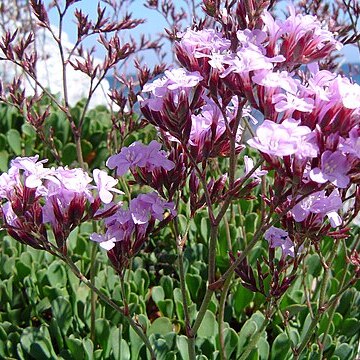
[(237, 224)]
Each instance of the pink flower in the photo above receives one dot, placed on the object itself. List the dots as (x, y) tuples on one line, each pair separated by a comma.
[(290, 102), (279, 139), (248, 59), (276, 79), (180, 78), (105, 185), (203, 41), (249, 165), (33, 170)]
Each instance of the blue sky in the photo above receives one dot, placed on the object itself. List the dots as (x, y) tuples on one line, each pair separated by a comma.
[(154, 24)]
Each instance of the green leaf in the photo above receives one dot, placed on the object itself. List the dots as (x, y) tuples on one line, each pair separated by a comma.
[(204, 229), (160, 347), (345, 302), (193, 282), (36, 342), (28, 130), (350, 327), (242, 298), (328, 341), (3, 142), (76, 347), (4, 160), (166, 283), (89, 349), (102, 335), (305, 327), (263, 348), (136, 343), (14, 140), (251, 222), (280, 347), (161, 326), (86, 147), (157, 294), (120, 348), (56, 274), (61, 309), (56, 333), (231, 341), (22, 269), (182, 345), (69, 154), (43, 305), (313, 265), (208, 327), (343, 351), (166, 307), (142, 281), (246, 332), (295, 308)]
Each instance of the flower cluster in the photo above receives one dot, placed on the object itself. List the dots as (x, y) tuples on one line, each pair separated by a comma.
[(127, 229), (33, 195), (137, 155), (309, 121)]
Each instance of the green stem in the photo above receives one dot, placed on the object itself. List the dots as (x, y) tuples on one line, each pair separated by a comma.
[(255, 338), (219, 283), (202, 311), (180, 251), (221, 317), (93, 294), (321, 303), (136, 327), (212, 253)]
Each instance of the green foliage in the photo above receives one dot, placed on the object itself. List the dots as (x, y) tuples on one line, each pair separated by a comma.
[(19, 138)]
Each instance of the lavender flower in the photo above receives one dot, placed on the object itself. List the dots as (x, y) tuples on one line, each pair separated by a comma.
[(106, 241), (147, 206), (139, 155), (33, 169), (105, 185), (279, 139), (249, 165), (352, 144), (334, 168), (279, 238), (319, 203)]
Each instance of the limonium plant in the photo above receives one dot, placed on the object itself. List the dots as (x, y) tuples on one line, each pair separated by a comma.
[(246, 115)]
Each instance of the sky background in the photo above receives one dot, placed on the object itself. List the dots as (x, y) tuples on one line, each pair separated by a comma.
[(154, 24)]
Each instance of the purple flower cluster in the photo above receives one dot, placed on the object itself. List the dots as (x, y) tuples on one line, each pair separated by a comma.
[(175, 83), (136, 221), (138, 155), (33, 195), (127, 229), (309, 131)]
